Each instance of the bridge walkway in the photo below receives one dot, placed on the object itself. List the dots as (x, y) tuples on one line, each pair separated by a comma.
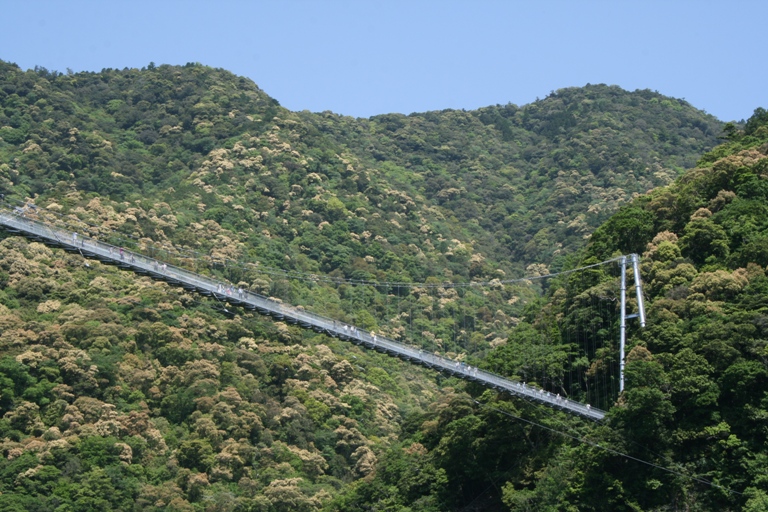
[(21, 222)]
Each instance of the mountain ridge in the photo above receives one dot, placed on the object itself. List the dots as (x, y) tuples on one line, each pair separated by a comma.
[(573, 188)]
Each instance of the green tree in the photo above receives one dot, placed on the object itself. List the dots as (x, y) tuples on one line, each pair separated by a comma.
[(702, 238)]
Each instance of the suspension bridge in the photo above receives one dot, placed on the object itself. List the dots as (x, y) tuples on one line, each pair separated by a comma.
[(20, 221)]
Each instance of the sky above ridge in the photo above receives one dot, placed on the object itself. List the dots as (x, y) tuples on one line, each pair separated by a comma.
[(364, 57)]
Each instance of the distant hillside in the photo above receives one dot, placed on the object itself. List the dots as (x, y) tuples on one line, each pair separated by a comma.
[(536, 180), (521, 185)]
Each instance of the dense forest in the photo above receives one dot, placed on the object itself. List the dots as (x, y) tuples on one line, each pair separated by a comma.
[(117, 392), (689, 431)]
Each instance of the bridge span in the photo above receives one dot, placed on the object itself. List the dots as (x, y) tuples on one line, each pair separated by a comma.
[(20, 222)]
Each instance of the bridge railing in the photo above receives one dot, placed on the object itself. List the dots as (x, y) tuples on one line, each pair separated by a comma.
[(22, 221)]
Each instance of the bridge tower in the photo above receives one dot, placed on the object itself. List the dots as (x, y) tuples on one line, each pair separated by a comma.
[(634, 260)]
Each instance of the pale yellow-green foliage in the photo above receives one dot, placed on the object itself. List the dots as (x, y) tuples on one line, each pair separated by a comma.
[(536, 270), (720, 284), (140, 373), (365, 461), (286, 496), (312, 462), (662, 237), (26, 417), (167, 496), (723, 198), (349, 438), (292, 410), (49, 306), (342, 372), (230, 459), (701, 213)]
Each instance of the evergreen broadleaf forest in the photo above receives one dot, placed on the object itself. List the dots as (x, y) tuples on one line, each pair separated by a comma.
[(122, 393)]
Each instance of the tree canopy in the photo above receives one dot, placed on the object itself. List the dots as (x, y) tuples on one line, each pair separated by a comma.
[(118, 393)]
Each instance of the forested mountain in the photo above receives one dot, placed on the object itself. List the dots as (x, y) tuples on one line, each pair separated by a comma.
[(518, 185), (531, 181), (117, 392), (689, 432)]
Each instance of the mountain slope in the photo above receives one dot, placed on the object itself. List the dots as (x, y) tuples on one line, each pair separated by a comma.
[(549, 172), (689, 431), (117, 391), (540, 177)]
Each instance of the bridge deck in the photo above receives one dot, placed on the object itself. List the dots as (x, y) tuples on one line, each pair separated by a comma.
[(19, 222)]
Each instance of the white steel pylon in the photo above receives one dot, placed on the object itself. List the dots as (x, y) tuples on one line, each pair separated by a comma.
[(635, 260)]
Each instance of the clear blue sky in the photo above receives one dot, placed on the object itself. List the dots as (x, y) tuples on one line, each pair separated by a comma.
[(367, 57)]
